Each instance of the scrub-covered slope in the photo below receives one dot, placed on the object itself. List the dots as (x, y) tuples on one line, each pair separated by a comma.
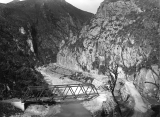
[(43, 24), (30, 35)]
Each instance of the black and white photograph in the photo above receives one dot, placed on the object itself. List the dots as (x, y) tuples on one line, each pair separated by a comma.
[(79, 58)]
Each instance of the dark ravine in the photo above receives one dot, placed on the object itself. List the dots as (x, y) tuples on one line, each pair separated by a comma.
[(31, 32)]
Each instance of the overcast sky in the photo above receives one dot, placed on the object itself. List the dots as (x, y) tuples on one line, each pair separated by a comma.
[(86, 5)]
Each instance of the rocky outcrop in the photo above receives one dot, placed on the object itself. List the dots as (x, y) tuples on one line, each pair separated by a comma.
[(123, 32), (147, 82), (120, 31)]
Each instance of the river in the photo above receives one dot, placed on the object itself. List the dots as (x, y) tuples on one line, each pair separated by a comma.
[(75, 109)]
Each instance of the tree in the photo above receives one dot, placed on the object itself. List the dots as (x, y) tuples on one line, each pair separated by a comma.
[(112, 69)]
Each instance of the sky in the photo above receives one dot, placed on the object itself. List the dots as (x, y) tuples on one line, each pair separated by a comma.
[(86, 5)]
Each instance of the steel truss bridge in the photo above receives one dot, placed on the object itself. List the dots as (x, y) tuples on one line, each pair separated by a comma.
[(59, 93)]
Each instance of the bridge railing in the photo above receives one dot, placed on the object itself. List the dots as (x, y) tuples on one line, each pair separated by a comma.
[(60, 92)]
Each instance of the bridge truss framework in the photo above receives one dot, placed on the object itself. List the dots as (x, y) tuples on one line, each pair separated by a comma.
[(59, 93)]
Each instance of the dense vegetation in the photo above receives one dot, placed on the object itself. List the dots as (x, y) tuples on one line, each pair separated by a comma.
[(30, 34), (16, 64)]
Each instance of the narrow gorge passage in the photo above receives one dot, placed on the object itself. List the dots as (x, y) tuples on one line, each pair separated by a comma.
[(75, 109)]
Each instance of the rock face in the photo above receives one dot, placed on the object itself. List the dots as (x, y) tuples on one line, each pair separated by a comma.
[(147, 82), (123, 32), (120, 31)]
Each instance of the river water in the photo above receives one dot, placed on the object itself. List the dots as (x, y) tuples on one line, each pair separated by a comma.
[(74, 109)]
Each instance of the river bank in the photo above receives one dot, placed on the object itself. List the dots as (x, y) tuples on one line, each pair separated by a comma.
[(81, 109)]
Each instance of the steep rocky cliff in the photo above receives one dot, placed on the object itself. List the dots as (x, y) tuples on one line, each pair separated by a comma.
[(123, 32), (30, 35)]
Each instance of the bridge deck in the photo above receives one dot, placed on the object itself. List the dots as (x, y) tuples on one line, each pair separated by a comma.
[(60, 92)]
